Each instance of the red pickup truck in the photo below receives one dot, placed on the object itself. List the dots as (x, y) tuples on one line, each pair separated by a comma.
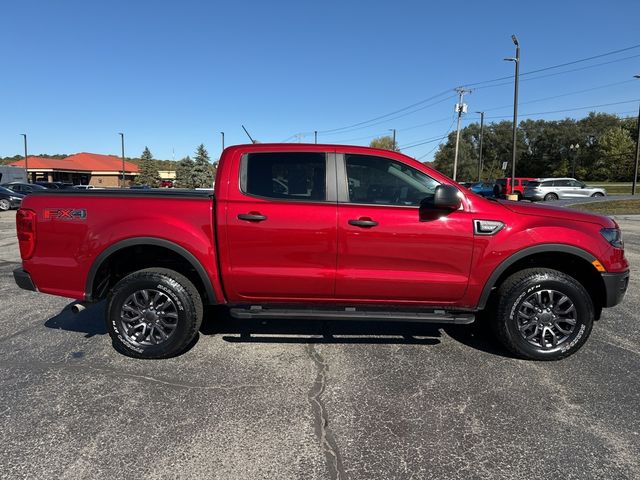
[(323, 231)]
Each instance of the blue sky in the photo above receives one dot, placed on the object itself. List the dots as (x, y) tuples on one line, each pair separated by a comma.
[(172, 75)]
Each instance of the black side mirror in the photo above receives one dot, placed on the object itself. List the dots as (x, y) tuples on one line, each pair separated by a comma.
[(446, 197)]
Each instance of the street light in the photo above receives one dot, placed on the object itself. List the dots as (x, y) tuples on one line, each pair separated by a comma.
[(574, 151), (122, 142), (635, 168), (222, 133), (516, 60), (26, 158), (481, 136), (393, 145)]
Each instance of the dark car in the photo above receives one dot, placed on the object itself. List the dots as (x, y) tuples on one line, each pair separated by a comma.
[(9, 199), (140, 187), (54, 185), (23, 188), (484, 189)]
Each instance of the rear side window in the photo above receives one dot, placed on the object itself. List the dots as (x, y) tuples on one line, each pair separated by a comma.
[(547, 184), (533, 184), (561, 183), (285, 175), (516, 182)]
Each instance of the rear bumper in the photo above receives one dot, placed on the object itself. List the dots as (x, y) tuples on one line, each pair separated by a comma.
[(615, 285), (23, 280)]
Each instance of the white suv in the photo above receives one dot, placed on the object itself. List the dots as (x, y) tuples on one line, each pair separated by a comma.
[(560, 188)]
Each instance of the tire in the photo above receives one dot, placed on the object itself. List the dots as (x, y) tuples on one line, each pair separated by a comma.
[(597, 194), (550, 196), (164, 327), (568, 317), (519, 195), (4, 205)]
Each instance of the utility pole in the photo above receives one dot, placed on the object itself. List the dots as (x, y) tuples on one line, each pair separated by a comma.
[(122, 143), (222, 133), (394, 137), (460, 108), (515, 59), (635, 168), (315, 136), (26, 158), (481, 138)]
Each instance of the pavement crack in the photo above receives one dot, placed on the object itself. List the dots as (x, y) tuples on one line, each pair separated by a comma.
[(321, 418)]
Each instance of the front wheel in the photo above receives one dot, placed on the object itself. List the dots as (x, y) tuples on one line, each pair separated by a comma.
[(153, 313), (543, 314), (597, 194)]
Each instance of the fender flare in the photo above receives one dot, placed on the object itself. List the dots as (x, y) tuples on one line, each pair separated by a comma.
[(158, 242), (519, 255)]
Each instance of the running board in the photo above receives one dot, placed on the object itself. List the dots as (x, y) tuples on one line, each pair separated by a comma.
[(351, 313)]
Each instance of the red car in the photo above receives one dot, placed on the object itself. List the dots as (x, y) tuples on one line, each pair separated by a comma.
[(323, 231), (503, 186)]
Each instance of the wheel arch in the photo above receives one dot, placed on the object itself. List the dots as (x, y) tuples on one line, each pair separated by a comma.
[(199, 276), (566, 258)]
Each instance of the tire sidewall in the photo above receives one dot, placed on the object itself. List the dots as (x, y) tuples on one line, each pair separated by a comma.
[(584, 317), (170, 287)]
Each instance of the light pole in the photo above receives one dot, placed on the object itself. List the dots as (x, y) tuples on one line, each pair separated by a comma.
[(515, 59), (315, 136), (574, 151), (222, 133), (481, 137), (394, 138), (460, 109), (122, 143), (635, 168), (26, 158)]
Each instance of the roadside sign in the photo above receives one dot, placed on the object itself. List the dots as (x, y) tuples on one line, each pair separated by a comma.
[(504, 165)]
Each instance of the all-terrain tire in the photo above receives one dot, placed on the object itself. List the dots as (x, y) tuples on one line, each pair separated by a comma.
[(508, 322), (174, 290)]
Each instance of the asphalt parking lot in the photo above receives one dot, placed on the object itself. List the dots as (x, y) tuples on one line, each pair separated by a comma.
[(311, 400)]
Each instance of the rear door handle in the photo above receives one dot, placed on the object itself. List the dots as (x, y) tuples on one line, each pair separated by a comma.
[(363, 222), (252, 217)]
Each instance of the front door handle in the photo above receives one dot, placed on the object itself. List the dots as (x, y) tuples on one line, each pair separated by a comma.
[(363, 222), (252, 217)]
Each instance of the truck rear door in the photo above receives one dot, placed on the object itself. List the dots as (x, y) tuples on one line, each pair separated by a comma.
[(280, 228)]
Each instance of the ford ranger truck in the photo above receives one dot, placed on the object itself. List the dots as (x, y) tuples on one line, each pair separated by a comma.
[(323, 232)]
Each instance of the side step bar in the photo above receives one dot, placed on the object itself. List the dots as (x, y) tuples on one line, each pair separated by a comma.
[(351, 313)]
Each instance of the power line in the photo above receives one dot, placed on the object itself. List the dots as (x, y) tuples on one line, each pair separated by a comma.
[(569, 109)]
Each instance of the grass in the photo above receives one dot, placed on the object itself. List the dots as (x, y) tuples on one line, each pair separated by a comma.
[(615, 207), (613, 188)]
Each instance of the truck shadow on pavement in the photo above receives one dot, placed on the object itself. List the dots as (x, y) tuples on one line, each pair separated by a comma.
[(89, 321)]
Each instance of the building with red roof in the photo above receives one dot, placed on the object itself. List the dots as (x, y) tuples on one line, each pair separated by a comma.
[(81, 169)]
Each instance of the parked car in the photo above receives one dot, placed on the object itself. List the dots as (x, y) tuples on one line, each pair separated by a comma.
[(361, 233), (9, 199), (140, 187), (560, 188), (58, 185), (23, 188), (484, 189), (86, 187), (503, 186)]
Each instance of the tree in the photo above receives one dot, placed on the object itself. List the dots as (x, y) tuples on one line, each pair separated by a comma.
[(148, 171), (386, 142), (617, 151), (202, 169), (184, 173)]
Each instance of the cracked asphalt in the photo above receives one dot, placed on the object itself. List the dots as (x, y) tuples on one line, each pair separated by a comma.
[(311, 400)]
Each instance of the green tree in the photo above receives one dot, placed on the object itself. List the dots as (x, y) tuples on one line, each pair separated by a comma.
[(202, 169), (386, 142), (616, 149), (184, 173), (148, 170)]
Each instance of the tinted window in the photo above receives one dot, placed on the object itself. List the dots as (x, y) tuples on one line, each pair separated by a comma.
[(382, 181), (575, 183), (561, 183), (533, 184), (289, 175), (525, 182), (548, 183), (501, 181), (516, 182)]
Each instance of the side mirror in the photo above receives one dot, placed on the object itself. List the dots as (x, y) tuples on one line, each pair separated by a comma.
[(446, 197)]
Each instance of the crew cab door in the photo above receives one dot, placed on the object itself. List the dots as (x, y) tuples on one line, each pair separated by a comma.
[(386, 252), (280, 230)]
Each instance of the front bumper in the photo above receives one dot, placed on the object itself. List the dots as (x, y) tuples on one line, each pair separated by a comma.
[(615, 286), (23, 280)]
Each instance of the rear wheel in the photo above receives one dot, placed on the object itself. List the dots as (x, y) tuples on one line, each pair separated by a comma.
[(4, 205), (153, 313), (550, 196), (543, 314)]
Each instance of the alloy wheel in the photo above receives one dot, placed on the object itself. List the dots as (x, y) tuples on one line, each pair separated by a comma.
[(148, 317), (546, 318)]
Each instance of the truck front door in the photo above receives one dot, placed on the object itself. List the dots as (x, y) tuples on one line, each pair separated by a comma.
[(385, 250)]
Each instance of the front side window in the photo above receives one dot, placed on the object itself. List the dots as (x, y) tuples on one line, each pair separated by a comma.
[(382, 181), (286, 175), (561, 183)]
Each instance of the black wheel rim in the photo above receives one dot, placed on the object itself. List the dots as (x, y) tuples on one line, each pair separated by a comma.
[(148, 318), (546, 318)]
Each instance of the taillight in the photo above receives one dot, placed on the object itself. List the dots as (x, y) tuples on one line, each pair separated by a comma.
[(26, 228)]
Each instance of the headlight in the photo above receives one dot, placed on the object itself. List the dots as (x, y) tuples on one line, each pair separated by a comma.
[(15, 198), (613, 236)]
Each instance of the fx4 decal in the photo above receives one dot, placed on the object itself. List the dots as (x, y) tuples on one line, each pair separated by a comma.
[(65, 214)]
